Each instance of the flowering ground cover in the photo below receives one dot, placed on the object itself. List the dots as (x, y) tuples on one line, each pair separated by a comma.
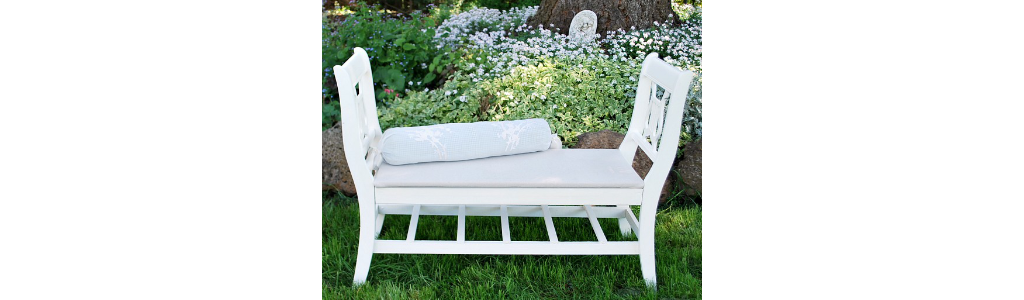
[(485, 64)]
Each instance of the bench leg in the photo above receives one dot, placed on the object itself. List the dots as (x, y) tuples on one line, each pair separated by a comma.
[(624, 227), (367, 235), (646, 239)]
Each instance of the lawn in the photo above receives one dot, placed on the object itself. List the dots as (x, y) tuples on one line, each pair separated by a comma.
[(415, 276)]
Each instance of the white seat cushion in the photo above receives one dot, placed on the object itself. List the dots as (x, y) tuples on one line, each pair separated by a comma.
[(558, 168)]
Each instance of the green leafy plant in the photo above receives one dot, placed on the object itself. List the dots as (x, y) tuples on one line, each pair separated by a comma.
[(534, 73), (575, 96), (331, 114), (401, 48), (427, 108)]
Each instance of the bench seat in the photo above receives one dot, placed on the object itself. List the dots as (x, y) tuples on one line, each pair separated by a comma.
[(557, 168)]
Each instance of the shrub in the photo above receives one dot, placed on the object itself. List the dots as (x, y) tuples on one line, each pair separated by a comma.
[(400, 48), (512, 71), (502, 4), (506, 70), (575, 96)]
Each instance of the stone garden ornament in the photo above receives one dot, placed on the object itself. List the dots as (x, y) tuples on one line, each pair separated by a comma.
[(583, 27)]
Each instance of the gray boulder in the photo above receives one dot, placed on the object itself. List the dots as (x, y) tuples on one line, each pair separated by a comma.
[(336, 175), (689, 167)]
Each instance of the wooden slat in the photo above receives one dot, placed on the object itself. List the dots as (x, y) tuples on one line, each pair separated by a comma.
[(574, 211), (552, 235), (624, 228), (461, 237), (360, 123), (366, 143), (597, 226), (631, 218), (657, 117), (380, 222), (663, 102), (506, 234), (413, 222), (652, 115), (502, 248), (645, 146), (509, 196)]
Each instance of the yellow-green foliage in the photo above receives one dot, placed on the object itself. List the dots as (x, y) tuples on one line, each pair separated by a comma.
[(575, 96)]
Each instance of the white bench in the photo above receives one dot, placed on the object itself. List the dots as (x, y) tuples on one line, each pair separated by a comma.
[(577, 183)]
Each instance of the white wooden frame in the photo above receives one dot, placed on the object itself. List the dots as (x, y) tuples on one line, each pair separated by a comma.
[(654, 129)]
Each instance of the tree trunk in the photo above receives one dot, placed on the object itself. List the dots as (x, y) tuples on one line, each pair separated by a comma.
[(611, 14)]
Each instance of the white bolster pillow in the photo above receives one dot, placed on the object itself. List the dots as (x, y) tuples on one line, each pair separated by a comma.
[(463, 141)]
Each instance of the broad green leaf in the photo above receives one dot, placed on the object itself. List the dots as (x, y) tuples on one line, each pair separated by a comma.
[(380, 74), (395, 73), (395, 79), (398, 84)]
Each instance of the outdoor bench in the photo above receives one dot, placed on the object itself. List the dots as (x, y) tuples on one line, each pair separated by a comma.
[(576, 183)]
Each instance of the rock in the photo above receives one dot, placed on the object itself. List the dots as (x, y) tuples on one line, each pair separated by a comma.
[(607, 139), (335, 169), (689, 168), (604, 139)]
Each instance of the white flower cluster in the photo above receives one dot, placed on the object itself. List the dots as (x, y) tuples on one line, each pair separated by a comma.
[(511, 48), (515, 44), (680, 46), (503, 53), (480, 19), (506, 42)]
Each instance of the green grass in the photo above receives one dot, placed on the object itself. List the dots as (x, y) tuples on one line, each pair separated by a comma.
[(418, 276)]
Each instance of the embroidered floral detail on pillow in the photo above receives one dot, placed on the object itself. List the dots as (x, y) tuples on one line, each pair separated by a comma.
[(510, 133), (427, 134)]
